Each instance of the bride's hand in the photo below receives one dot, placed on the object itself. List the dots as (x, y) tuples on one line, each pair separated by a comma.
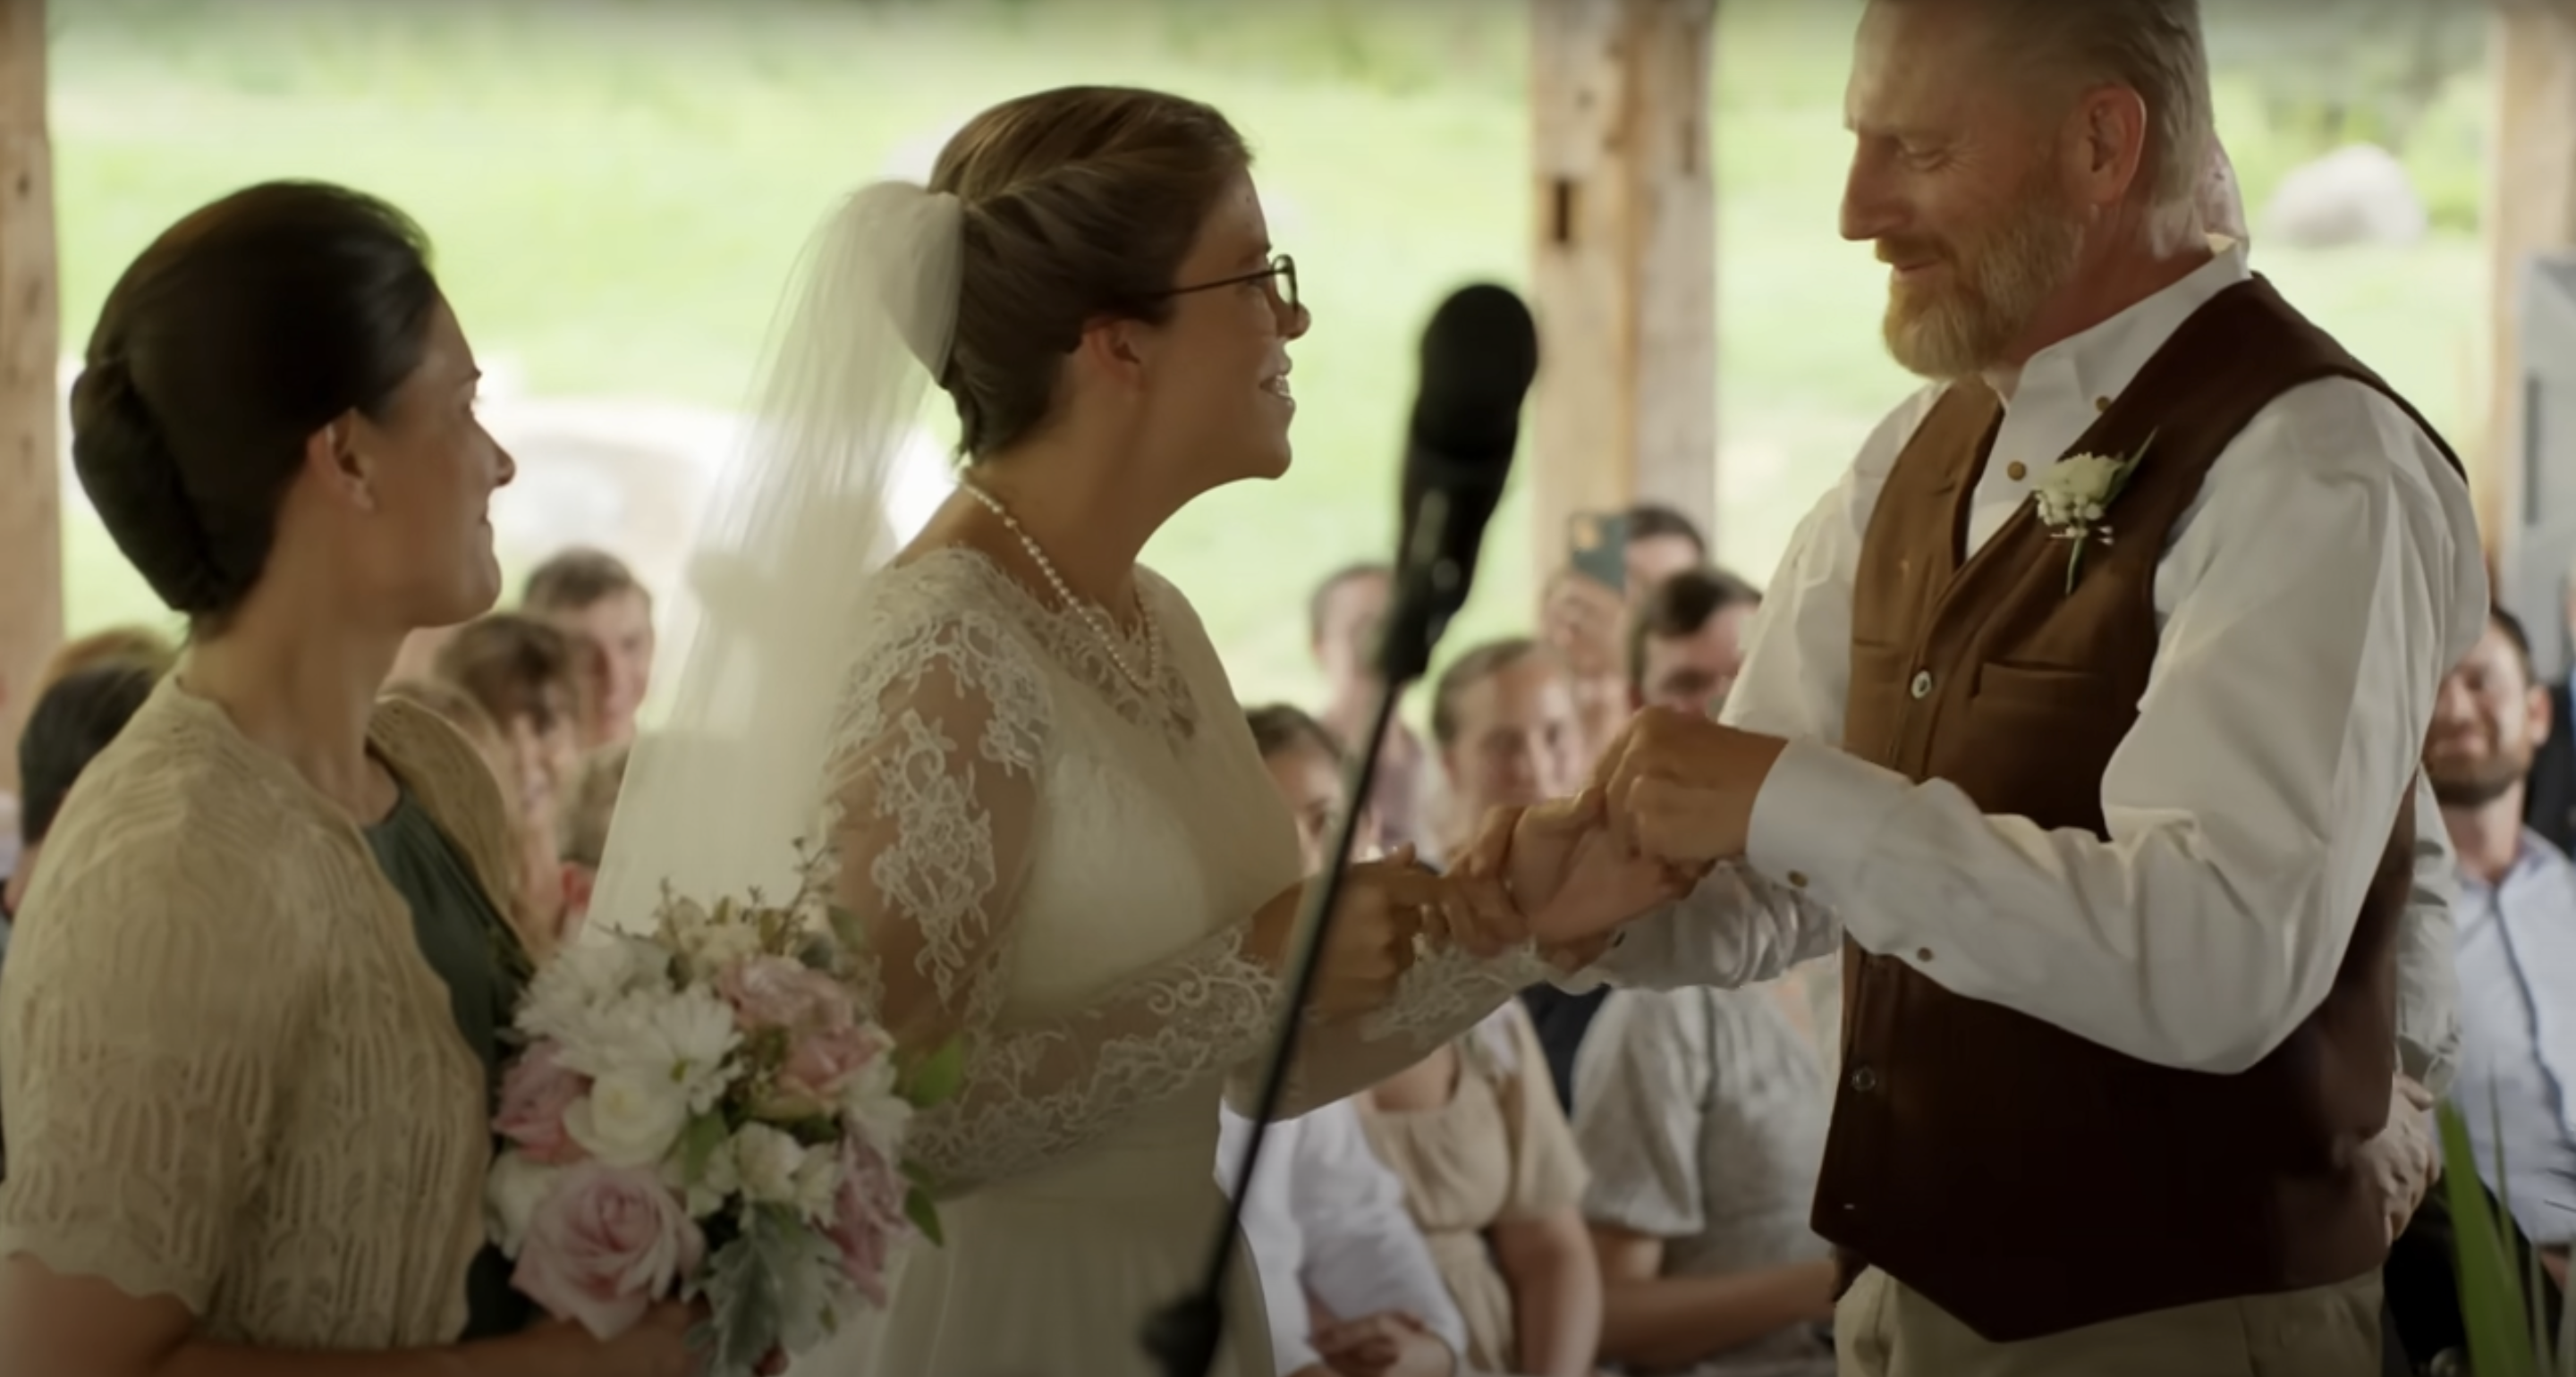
[(1369, 945)]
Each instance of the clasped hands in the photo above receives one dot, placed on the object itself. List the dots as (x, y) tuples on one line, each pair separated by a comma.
[(1670, 798)]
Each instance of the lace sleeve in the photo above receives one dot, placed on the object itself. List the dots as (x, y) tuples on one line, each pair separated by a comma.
[(936, 787), (1446, 993)]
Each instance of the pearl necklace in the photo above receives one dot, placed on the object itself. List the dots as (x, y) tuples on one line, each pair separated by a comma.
[(1091, 613)]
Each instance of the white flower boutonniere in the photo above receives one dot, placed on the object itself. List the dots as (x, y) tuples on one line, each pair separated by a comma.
[(2074, 500)]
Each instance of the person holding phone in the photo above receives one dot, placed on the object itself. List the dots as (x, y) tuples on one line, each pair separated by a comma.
[(1613, 561)]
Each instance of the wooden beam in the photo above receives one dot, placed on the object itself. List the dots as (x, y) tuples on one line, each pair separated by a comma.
[(2530, 208), (1626, 265), (31, 523)]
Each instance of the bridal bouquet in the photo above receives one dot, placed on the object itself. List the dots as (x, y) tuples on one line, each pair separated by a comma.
[(701, 1113)]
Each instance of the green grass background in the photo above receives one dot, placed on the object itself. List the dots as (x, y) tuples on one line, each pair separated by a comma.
[(617, 189)]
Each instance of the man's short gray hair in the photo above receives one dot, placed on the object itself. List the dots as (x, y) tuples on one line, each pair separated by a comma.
[(2153, 47)]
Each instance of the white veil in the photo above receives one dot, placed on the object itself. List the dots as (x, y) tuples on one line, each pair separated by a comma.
[(715, 800)]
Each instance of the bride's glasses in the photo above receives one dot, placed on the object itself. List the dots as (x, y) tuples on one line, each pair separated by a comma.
[(1282, 274)]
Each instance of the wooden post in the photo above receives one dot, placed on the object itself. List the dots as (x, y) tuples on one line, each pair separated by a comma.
[(2530, 208), (1626, 271), (31, 523)]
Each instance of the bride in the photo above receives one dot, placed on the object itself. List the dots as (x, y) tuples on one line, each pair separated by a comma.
[(1041, 796)]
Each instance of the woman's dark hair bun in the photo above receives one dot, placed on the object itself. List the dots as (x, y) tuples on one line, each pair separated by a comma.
[(134, 482), (243, 329)]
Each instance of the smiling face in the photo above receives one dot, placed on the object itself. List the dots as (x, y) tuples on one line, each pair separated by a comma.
[(1216, 385), (2488, 722), (1954, 178), (420, 542)]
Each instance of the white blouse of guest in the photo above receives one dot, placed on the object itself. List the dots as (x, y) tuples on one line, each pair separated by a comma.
[(2309, 602), (1325, 1218)]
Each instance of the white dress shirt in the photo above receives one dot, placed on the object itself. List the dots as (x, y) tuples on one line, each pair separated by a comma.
[(2518, 983), (1326, 1218), (2308, 603)]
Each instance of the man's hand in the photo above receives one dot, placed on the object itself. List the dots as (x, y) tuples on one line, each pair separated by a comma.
[(2406, 1157), (1389, 1343), (1681, 787), (1554, 874)]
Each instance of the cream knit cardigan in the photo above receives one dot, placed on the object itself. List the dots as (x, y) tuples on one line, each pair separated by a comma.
[(227, 1074)]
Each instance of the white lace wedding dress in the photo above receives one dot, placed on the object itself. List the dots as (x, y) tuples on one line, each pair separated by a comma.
[(1061, 868)]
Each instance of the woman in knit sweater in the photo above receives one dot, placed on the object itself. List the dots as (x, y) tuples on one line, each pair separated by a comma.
[(248, 1022)]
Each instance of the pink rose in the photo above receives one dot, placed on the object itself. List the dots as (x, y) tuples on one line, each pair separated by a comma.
[(820, 1065), (535, 1092), (604, 1245), (775, 992), (867, 1217)]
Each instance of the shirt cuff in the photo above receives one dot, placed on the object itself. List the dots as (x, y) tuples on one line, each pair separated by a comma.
[(1817, 819)]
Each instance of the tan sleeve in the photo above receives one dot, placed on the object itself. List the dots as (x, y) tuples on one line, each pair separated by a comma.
[(1548, 1174), (151, 1012)]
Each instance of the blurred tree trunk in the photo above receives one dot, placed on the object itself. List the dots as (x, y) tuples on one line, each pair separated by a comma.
[(31, 542)]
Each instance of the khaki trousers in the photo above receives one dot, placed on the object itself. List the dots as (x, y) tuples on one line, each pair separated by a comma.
[(1884, 1329)]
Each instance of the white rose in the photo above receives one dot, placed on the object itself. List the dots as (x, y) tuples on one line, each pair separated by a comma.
[(511, 1194), (768, 1161), (629, 1119)]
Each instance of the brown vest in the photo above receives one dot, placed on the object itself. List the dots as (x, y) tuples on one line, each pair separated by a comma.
[(2026, 1180)]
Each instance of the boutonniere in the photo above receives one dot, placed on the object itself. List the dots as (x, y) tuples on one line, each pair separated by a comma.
[(2074, 500)]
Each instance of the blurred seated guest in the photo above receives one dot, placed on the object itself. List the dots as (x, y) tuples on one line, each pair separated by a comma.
[(1687, 640), (1503, 721), (1493, 1179), (1344, 619), (1586, 622), (1347, 1279), (1306, 764), (589, 808), (592, 593), (71, 724), (1701, 1114), (1349, 1283), (2516, 936), (537, 904), (1661, 543), (141, 646), (526, 676)]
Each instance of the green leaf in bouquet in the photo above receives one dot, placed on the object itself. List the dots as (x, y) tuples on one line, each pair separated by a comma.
[(934, 1080), (699, 1142), (2492, 1305), (766, 1290), (924, 1216)]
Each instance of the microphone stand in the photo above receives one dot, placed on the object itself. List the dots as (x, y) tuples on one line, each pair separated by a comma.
[(1184, 1336)]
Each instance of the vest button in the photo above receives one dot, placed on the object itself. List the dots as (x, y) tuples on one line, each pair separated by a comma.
[(2016, 470), (1864, 1081), (1922, 687)]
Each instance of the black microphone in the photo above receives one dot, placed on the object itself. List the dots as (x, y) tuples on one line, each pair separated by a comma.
[(1478, 356)]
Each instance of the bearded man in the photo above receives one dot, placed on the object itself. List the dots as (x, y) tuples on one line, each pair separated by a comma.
[(2085, 712)]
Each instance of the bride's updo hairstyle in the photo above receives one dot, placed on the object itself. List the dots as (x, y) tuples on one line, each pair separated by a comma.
[(241, 331), (1078, 203)]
